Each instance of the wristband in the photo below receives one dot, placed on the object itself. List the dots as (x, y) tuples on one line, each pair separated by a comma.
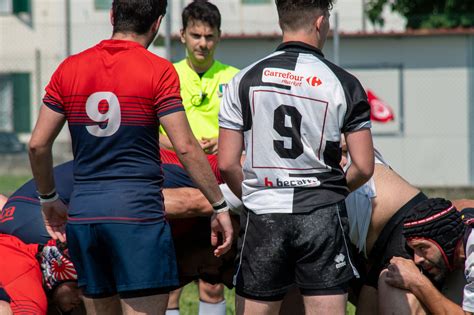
[(48, 198), (48, 195), (220, 206)]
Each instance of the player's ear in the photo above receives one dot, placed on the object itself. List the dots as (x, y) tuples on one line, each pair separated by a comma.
[(156, 25), (111, 15), (319, 22), (181, 33)]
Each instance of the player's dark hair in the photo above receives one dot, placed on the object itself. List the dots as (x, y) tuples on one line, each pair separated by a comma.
[(204, 11), (295, 14), (136, 16)]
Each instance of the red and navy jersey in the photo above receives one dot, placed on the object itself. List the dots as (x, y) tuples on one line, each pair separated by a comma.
[(21, 215), (112, 96)]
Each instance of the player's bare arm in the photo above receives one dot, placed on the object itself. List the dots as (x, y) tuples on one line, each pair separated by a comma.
[(195, 162), (47, 128), (404, 274), (361, 149), (230, 154), (165, 142), (186, 203)]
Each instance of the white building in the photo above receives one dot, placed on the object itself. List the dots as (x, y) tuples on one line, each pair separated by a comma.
[(426, 77)]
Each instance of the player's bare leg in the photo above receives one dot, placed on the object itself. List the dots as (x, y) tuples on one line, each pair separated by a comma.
[(292, 303), (103, 306), (396, 301), (325, 304), (147, 305), (245, 306), (367, 303), (212, 300), (173, 302)]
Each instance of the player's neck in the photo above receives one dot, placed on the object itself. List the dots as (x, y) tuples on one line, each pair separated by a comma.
[(302, 36), (143, 40)]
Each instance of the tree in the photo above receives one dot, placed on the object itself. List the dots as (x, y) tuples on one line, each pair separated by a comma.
[(426, 13)]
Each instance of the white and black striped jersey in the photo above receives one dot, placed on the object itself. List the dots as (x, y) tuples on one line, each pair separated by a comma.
[(292, 107)]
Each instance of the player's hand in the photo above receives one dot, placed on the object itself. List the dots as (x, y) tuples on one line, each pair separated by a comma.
[(403, 273), (221, 231), (209, 145), (55, 218)]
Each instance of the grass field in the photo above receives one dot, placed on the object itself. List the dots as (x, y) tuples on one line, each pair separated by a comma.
[(8, 184)]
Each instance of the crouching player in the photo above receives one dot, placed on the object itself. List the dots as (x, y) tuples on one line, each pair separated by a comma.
[(21, 218)]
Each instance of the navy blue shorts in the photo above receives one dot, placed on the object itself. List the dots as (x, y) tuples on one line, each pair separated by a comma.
[(123, 258)]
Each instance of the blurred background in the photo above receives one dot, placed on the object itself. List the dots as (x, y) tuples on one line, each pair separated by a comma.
[(415, 59)]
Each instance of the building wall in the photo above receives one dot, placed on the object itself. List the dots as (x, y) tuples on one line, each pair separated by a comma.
[(429, 80), (434, 144)]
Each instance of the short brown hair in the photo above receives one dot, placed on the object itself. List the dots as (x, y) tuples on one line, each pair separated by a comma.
[(295, 14), (203, 11)]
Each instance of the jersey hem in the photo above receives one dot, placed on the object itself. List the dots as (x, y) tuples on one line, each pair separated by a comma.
[(120, 220)]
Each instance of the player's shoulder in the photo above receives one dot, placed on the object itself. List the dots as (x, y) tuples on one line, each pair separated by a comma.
[(346, 79), (79, 60), (155, 61)]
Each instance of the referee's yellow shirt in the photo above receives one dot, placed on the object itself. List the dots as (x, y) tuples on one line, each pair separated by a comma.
[(202, 96)]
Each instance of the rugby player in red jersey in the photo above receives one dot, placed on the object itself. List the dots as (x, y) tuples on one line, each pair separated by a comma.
[(114, 97)]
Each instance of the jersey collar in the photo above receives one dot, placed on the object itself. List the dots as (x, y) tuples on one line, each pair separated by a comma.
[(119, 43), (299, 47)]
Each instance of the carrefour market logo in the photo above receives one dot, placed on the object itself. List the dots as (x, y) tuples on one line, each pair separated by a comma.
[(281, 76), (288, 77)]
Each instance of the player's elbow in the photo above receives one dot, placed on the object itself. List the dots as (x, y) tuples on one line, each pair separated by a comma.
[(187, 147), (225, 167), (36, 147), (366, 171)]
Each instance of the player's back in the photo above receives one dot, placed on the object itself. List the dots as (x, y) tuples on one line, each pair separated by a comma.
[(112, 95), (109, 95), (294, 104)]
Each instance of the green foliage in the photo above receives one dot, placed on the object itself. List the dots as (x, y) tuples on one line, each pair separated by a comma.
[(425, 14)]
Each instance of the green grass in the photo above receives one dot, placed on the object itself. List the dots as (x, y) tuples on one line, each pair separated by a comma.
[(8, 184), (189, 302)]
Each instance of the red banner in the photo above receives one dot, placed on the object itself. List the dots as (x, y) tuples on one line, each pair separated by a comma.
[(379, 110)]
